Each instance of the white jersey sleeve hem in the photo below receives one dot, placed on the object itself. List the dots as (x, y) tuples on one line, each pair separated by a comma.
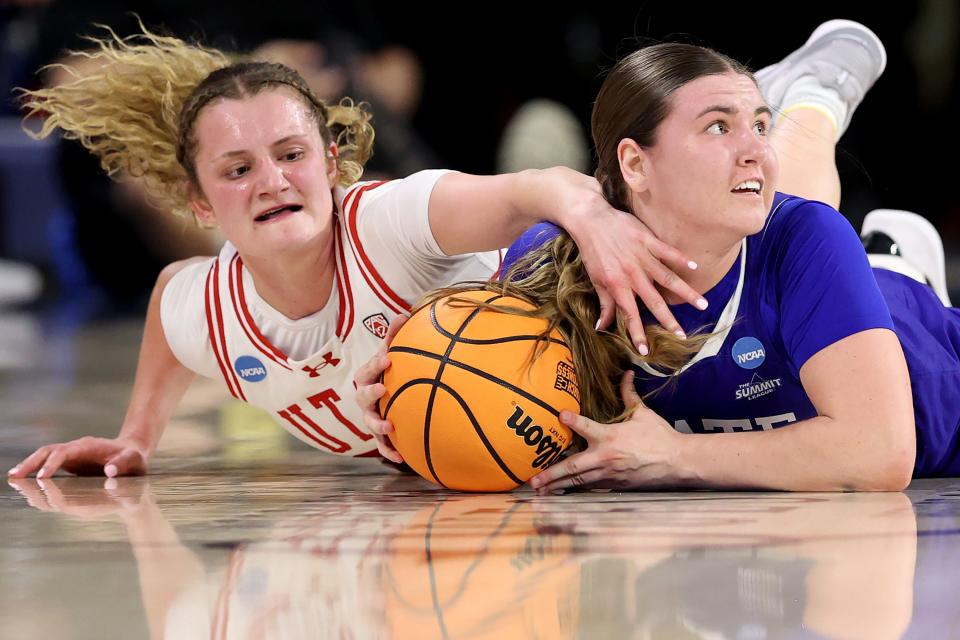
[(183, 318)]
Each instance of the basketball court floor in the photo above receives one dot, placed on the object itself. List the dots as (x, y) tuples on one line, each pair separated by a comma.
[(238, 532)]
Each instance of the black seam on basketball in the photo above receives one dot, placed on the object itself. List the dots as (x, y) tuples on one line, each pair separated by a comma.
[(444, 332), (476, 427), (478, 372), (396, 394), (458, 338), (523, 338), (433, 390), (436, 384)]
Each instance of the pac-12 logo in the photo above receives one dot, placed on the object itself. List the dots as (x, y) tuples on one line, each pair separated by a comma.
[(748, 353), (377, 325), (250, 369)]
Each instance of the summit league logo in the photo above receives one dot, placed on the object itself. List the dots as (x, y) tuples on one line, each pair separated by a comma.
[(757, 388), (749, 353)]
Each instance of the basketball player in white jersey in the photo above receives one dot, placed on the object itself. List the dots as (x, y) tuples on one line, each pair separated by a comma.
[(313, 271)]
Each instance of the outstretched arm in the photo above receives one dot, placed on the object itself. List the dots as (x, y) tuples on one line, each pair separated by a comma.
[(862, 440), (159, 384), (623, 258)]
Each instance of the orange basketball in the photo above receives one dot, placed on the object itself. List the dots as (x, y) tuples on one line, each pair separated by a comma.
[(470, 410)]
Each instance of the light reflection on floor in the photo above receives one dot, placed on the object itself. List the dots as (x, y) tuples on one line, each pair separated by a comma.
[(241, 533)]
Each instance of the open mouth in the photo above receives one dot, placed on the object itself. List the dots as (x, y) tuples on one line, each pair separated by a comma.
[(273, 214), (749, 187)]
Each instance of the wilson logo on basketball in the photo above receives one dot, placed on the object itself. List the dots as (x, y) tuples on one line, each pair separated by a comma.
[(534, 436)]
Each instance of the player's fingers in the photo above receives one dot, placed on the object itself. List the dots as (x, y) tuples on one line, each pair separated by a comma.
[(586, 427), (53, 462), (628, 391), (376, 425), (31, 463), (669, 280), (627, 304), (608, 308), (583, 480), (658, 307), (369, 372), (368, 395), (128, 462), (575, 465), (385, 447)]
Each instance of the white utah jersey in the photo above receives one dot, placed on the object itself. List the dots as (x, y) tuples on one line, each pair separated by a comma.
[(386, 258)]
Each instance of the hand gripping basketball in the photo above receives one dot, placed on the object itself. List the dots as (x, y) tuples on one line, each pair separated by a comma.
[(474, 394), (370, 390)]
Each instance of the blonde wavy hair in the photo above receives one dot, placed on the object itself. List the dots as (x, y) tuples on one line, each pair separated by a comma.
[(137, 108)]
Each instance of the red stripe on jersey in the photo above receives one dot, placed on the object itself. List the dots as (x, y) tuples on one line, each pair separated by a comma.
[(311, 429), (221, 331), (496, 274), (256, 338), (211, 292), (393, 301), (345, 318)]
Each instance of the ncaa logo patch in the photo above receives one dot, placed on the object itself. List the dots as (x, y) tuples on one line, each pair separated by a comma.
[(250, 369), (748, 353)]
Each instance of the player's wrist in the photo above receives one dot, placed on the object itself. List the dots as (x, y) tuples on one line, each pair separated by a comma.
[(139, 437), (685, 461)]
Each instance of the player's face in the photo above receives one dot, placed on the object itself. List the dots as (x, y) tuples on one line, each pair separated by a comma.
[(711, 169), (265, 173)]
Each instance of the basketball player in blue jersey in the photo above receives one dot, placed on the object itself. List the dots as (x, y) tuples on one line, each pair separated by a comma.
[(795, 378), (809, 370)]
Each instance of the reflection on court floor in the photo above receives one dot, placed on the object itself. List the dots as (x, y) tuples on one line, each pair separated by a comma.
[(239, 533)]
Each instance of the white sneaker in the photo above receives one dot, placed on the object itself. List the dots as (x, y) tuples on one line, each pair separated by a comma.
[(843, 55), (914, 241)]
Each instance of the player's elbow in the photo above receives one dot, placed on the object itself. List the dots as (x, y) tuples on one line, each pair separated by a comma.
[(894, 461), (894, 475)]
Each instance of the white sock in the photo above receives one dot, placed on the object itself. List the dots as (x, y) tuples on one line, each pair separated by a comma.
[(807, 92)]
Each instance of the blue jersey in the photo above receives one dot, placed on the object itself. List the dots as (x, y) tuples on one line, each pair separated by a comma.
[(798, 286)]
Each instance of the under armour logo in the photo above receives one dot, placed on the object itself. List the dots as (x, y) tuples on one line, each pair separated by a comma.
[(328, 359)]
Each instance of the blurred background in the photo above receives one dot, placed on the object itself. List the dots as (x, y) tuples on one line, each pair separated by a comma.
[(479, 87)]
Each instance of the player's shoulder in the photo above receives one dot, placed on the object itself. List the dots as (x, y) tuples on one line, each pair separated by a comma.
[(360, 193), (415, 187), (185, 269), (792, 214), (181, 284), (799, 223)]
